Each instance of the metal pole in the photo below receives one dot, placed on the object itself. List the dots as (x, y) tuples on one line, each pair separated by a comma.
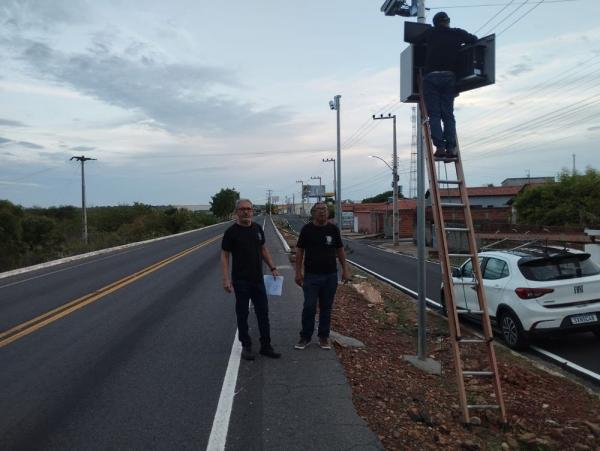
[(421, 280), (83, 210), (395, 188), (338, 193)]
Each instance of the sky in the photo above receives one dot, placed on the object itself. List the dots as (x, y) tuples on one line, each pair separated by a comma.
[(176, 100)]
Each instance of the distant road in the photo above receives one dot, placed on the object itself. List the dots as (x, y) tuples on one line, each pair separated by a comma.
[(582, 349)]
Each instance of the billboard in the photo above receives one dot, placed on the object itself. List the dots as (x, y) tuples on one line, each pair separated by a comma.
[(314, 191)]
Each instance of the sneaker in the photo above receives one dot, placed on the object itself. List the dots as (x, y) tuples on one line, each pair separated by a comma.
[(440, 152), (268, 351), (303, 343), (247, 353), (324, 343)]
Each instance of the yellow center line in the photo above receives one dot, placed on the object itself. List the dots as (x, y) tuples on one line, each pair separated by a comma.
[(44, 319)]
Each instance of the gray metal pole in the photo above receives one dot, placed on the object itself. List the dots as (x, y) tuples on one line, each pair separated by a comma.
[(338, 193), (395, 188), (84, 212), (421, 280)]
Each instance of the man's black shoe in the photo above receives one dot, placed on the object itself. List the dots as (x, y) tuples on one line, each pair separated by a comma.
[(247, 353), (440, 152), (268, 351)]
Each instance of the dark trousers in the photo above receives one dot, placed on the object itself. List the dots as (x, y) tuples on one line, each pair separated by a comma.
[(255, 291), (318, 288), (439, 90)]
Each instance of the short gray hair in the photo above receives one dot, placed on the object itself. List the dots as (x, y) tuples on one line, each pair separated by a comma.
[(239, 201)]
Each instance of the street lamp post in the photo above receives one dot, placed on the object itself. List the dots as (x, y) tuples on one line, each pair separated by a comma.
[(335, 105), (394, 169), (316, 177), (301, 194)]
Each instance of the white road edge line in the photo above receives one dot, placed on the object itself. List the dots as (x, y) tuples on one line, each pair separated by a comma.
[(286, 247), (220, 426)]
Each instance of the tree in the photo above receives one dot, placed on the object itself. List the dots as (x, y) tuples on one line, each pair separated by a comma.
[(223, 203), (383, 197), (573, 200)]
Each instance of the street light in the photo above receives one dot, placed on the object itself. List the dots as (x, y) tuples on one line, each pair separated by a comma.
[(335, 105), (301, 195), (332, 160), (317, 177), (395, 215), (394, 169)]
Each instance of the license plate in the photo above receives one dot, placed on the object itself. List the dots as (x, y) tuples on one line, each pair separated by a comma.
[(585, 318)]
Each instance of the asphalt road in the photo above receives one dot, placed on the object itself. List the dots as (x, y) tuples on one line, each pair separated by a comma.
[(137, 358), (582, 349)]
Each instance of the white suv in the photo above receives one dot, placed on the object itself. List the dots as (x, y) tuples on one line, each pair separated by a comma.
[(534, 290)]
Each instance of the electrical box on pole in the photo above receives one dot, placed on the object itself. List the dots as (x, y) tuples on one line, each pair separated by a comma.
[(477, 64)]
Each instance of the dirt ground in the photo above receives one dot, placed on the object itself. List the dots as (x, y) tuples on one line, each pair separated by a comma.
[(410, 409)]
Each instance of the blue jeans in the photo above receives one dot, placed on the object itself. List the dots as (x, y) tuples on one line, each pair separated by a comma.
[(439, 90), (255, 291), (319, 288)]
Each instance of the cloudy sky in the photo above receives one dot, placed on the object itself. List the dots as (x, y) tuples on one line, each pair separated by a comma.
[(179, 99)]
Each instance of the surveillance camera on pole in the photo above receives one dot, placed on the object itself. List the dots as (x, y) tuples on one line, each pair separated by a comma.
[(399, 8)]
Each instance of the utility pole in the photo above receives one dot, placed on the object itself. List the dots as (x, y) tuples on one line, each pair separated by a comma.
[(84, 232), (421, 281), (574, 164), (394, 180), (332, 160), (269, 191), (335, 105), (301, 195), (317, 177)]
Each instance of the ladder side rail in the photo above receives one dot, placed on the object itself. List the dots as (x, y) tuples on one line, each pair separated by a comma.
[(454, 323), (480, 289)]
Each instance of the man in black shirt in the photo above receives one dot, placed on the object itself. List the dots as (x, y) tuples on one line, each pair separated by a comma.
[(441, 61), (245, 240), (318, 245)]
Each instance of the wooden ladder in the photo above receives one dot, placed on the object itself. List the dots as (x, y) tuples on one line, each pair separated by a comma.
[(457, 341)]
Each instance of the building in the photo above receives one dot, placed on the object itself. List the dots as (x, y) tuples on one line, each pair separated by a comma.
[(375, 218)]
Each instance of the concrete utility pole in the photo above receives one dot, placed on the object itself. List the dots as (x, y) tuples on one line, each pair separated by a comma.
[(316, 177), (332, 160), (269, 191), (335, 105), (394, 169), (84, 232), (301, 195)]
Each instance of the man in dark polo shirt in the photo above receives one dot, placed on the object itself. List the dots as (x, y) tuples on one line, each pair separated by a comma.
[(443, 45), (245, 240), (319, 244)]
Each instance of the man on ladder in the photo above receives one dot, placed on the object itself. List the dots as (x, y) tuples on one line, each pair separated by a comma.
[(443, 46)]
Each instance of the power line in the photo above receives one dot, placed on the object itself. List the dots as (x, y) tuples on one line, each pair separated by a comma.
[(520, 18), (494, 4), (494, 16), (507, 17)]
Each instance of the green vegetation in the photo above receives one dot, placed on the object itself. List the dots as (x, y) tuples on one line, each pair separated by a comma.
[(34, 235), (573, 200), (383, 197), (222, 204)]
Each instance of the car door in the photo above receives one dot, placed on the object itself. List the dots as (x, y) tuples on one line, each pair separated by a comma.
[(495, 278), (465, 296)]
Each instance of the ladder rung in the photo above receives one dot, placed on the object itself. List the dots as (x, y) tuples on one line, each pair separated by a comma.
[(457, 229), (470, 312), (459, 255), (483, 406), (450, 182), (468, 282), (478, 373), (471, 340), (451, 204)]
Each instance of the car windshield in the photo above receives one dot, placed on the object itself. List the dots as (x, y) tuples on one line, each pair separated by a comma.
[(557, 268)]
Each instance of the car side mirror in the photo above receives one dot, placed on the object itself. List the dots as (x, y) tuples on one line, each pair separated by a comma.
[(456, 273)]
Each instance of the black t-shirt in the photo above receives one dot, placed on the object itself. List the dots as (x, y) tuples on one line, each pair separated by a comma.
[(245, 244), (443, 45), (320, 244)]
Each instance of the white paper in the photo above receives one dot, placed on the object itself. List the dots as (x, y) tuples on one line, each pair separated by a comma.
[(274, 285)]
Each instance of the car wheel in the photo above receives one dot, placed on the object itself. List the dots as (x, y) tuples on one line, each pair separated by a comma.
[(512, 331)]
